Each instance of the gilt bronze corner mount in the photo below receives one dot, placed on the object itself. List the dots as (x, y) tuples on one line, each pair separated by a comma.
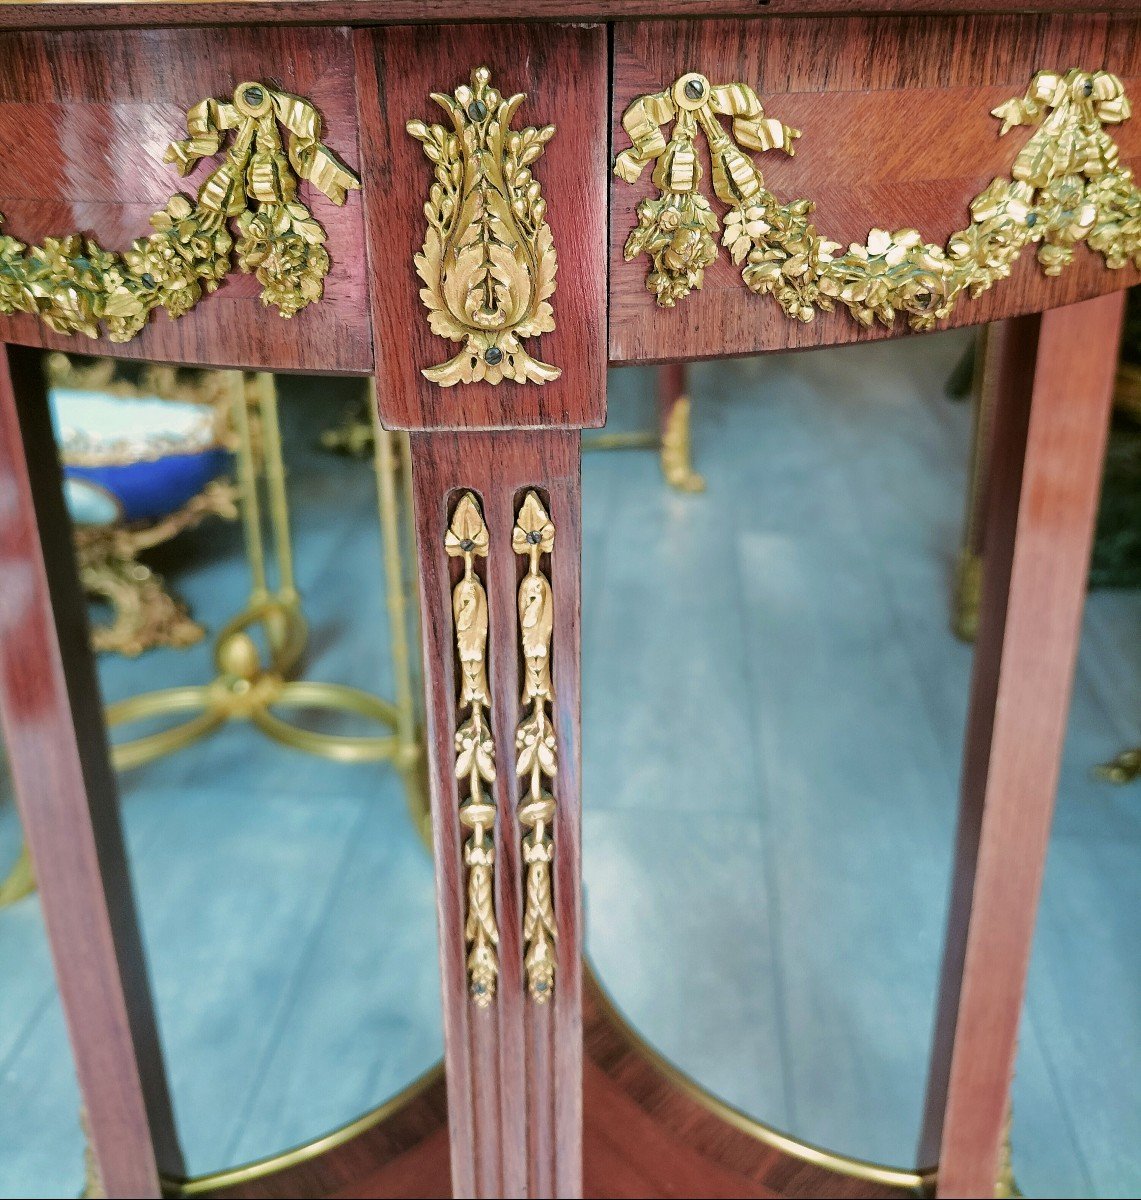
[(467, 538), (488, 262)]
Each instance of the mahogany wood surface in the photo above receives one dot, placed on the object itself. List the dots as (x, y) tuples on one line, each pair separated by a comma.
[(563, 71), (895, 115), (645, 1135), (42, 14), (896, 133), (57, 751), (84, 121), (515, 1068), (1054, 384)]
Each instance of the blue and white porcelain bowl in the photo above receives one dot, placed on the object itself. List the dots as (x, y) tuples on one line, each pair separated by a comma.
[(133, 458)]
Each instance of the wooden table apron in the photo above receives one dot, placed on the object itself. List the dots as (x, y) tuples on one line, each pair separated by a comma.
[(893, 103)]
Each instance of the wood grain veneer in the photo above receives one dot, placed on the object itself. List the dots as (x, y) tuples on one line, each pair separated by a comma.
[(84, 121), (515, 1068), (563, 71), (897, 132)]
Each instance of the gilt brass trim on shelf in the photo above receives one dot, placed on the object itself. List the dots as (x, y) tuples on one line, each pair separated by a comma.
[(919, 1182), (488, 262), (537, 750), (231, 1177), (466, 538), (75, 286), (1066, 186)]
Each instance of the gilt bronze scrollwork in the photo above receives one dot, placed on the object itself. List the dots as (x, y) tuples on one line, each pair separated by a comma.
[(467, 538), (535, 744), (1066, 186), (488, 262), (75, 286)]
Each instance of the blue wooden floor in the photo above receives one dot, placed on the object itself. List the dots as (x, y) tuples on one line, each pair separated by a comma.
[(773, 721)]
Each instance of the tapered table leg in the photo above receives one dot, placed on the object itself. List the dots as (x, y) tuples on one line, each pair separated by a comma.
[(498, 537), (1054, 386), (52, 717)]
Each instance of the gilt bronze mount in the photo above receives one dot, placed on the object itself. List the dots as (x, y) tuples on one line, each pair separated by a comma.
[(488, 261), (75, 286), (1066, 186)]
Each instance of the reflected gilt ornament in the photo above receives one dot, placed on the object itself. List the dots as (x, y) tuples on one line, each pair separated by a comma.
[(535, 745), (677, 449), (467, 538), (488, 261), (1066, 186), (75, 286)]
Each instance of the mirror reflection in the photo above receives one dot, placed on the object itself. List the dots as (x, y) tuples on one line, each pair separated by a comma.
[(245, 545), (779, 593), (776, 671)]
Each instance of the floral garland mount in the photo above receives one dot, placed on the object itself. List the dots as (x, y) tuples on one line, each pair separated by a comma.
[(75, 286)]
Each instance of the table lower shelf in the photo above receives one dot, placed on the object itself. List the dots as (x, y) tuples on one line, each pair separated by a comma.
[(649, 1130)]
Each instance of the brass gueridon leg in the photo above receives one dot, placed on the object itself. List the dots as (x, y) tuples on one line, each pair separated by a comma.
[(967, 591), (247, 687), (20, 880), (677, 447), (673, 442), (360, 435), (391, 457)]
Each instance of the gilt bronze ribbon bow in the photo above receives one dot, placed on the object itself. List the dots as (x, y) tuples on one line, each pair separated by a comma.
[(694, 101), (280, 241), (676, 230), (255, 112), (1070, 109), (75, 286)]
